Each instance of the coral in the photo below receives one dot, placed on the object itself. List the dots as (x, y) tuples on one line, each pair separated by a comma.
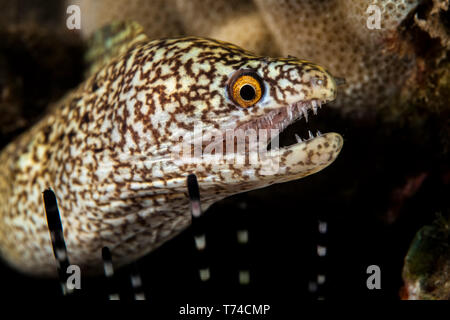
[(235, 21), (435, 22), (427, 265), (157, 17), (238, 22), (335, 34)]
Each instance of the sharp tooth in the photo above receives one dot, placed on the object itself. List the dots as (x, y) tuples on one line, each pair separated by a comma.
[(305, 113), (289, 110), (311, 136), (318, 133), (299, 140), (320, 104), (314, 106)]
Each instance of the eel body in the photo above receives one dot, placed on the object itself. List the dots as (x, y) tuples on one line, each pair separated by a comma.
[(107, 148)]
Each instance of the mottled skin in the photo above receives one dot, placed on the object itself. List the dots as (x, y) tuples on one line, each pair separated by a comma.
[(106, 150)]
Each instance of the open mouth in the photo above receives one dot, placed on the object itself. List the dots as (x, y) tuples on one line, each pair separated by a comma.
[(297, 157), (276, 121)]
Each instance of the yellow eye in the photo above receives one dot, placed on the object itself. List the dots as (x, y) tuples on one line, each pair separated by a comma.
[(245, 88)]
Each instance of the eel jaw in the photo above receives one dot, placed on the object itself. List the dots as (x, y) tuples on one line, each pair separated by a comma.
[(244, 169), (302, 159), (280, 118), (307, 156)]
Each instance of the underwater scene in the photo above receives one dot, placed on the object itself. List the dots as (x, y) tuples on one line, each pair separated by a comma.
[(224, 157)]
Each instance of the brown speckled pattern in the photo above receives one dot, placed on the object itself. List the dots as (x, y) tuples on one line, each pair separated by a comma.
[(105, 151)]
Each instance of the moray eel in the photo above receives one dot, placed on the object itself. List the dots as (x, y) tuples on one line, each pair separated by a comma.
[(107, 148)]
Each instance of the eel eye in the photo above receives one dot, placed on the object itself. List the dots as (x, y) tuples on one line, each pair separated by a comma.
[(245, 88)]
